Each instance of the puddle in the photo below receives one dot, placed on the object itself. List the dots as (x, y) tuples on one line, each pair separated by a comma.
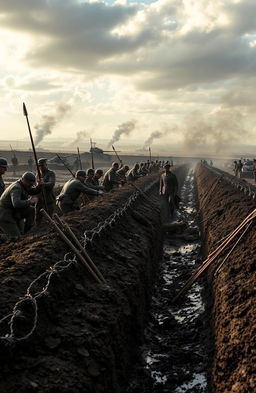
[(173, 358)]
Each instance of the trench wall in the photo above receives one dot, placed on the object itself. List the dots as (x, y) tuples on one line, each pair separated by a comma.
[(223, 208), (71, 334)]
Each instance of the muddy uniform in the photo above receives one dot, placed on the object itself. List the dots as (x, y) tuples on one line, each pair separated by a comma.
[(111, 180), (121, 173), (49, 180), (2, 185), (15, 207), (93, 183), (70, 193), (169, 188)]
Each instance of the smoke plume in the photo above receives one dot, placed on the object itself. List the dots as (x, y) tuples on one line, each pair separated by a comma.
[(49, 122), (80, 135), (122, 129)]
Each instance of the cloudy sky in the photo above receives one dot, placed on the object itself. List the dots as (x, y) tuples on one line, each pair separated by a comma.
[(171, 71)]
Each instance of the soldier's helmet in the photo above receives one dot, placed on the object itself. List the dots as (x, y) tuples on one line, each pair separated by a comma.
[(126, 167), (99, 172), (115, 164), (42, 161), (167, 165), (80, 173), (29, 177), (3, 162), (90, 171)]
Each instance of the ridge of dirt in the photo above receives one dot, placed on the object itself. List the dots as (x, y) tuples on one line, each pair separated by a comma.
[(233, 289)]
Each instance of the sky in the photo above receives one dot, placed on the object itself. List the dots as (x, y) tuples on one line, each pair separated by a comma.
[(154, 72)]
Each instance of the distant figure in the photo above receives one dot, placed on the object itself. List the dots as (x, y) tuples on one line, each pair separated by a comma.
[(15, 163), (211, 163), (48, 183), (30, 163), (239, 168), (3, 169), (169, 188)]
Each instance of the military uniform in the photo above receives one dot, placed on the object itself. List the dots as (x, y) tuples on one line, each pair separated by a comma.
[(15, 207), (49, 179), (3, 168), (169, 188), (122, 174), (2, 185), (70, 193), (110, 180), (133, 173)]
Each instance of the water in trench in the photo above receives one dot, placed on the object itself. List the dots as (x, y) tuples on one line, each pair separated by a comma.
[(174, 355)]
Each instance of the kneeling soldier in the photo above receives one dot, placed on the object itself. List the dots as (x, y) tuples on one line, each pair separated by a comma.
[(71, 191), (17, 206)]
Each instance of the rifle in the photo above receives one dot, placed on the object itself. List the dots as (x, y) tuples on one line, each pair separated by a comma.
[(79, 158), (149, 149), (92, 155), (117, 155), (25, 112)]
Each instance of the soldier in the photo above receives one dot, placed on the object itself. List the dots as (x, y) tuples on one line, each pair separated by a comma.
[(30, 164), (48, 182), (90, 181), (97, 176), (169, 187), (254, 169), (15, 163), (111, 178), (239, 168), (122, 174), (133, 173), (17, 206), (71, 191), (3, 169)]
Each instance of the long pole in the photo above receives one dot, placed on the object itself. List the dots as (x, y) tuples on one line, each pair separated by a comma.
[(149, 149), (79, 158), (117, 155), (25, 112), (65, 165), (93, 166)]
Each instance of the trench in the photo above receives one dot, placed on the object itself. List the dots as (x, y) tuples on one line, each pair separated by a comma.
[(173, 357)]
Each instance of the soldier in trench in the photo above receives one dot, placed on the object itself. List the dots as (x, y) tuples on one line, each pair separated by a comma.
[(48, 182), (169, 188), (17, 206)]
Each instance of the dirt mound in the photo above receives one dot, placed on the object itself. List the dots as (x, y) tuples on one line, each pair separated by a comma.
[(223, 208)]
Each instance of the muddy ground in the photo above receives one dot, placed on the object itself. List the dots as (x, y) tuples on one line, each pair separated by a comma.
[(86, 334), (233, 288)]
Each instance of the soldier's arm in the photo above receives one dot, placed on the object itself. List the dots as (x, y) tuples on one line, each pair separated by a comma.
[(17, 202), (87, 190), (91, 185)]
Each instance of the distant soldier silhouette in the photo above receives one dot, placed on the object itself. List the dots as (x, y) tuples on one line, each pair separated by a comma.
[(30, 164), (15, 164)]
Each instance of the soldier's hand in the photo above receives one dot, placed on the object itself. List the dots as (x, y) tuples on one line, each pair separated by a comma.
[(33, 200)]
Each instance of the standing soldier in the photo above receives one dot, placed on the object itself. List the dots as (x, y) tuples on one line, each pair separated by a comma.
[(71, 191), (3, 169), (48, 182), (169, 187), (239, 168), (30, 163), (15, 163), (254, 169), (111, 178), (17, 206)]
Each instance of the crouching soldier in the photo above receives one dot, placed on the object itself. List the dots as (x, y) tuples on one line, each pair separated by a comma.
[(17, 206), (67, 200), (91, 180)]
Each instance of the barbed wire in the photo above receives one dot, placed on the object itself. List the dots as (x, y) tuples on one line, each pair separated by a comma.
[(247, 188), (29, 300)]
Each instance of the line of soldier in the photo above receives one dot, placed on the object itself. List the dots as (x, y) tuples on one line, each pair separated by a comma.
[(21, 201)]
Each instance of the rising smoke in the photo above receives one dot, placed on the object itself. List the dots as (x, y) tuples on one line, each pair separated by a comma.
[(80, 135), (122, 129), (49, 122), (215, 134), (165, 130)]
